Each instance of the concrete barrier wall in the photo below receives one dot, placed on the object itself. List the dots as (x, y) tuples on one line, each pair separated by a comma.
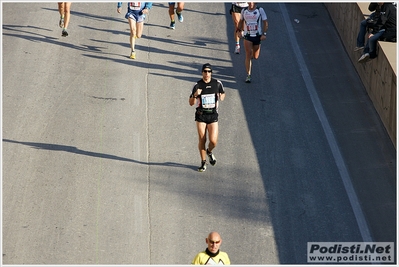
[(377, 75)]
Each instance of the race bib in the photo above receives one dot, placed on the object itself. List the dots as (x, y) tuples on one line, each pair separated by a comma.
[(208, 101), (135, 5), (252, 28)]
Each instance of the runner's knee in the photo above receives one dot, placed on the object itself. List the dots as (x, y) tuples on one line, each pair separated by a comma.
[(212, 143)]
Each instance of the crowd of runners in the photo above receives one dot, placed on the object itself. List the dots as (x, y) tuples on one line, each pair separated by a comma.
[(250, 24)]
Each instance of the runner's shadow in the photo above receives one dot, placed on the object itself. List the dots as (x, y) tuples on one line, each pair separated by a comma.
[(91, 16), (75, 150)]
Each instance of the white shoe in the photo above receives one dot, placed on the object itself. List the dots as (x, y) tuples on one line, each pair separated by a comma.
[(237, 49), (364, 58)]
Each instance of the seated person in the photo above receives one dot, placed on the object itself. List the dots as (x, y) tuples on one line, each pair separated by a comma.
[(382, 24)]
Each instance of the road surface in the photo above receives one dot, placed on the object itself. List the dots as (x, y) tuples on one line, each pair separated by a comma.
[(100, 151)]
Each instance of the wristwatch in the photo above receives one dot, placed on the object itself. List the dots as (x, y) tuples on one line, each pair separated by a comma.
[(264, 33)]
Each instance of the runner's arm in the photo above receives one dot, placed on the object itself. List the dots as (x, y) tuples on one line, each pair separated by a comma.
[(222, 93), (148, 5), (265, 26), (118, 8), (194, 94), (222, 96)]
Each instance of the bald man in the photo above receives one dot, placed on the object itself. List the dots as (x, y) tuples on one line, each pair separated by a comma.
[(212, 255)]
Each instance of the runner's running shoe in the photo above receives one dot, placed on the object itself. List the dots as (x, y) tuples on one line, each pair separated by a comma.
[(179, 16), (61, 23), (172, 25), (248, 79), (202, 168), (64, 33), (212, 158), (133, 55), (237, 49)]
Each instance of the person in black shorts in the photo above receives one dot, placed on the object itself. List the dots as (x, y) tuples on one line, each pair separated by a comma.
[(206, 95), (255, 25), (235, 11)]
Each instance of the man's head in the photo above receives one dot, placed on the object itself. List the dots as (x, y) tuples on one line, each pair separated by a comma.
[(214, 241), (206, 70), (251, 5)]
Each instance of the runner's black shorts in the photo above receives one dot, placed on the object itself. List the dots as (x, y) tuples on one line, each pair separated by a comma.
[(206, 117), (235, 9), (254, 39)]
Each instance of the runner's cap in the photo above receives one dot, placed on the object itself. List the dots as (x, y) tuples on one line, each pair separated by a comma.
[(206, 66)]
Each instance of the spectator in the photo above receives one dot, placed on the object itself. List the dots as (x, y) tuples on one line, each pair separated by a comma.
[(361, 37), (382, 25)]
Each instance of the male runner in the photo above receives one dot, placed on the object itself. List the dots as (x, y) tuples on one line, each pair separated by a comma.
[(212, 255), (171, 11), (206, 94), (256, 26)]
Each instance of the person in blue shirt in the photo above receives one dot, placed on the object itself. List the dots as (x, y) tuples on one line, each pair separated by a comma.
[(136, 13)]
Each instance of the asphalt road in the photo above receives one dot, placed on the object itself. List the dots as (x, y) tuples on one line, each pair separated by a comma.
[(100, 151)]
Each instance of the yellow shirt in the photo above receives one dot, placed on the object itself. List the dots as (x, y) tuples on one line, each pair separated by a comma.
[(204, 259)]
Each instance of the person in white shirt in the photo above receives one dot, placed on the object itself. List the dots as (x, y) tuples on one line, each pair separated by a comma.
[(256, 25)]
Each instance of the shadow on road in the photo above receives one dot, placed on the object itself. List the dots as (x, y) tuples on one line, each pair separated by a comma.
[(75, 150)]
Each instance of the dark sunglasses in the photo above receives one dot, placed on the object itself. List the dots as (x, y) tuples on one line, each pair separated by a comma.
[(207, 71)]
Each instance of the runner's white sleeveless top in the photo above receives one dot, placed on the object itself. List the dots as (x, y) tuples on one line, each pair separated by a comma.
[(253, 20), (240, 4)]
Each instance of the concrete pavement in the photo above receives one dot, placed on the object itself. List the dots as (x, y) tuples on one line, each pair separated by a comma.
[(100, 151)]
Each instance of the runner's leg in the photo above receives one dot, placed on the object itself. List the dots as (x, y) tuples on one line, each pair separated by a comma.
[(213, 132), (180, 7), (201, 128), (61, 11), (132, 25), (61, 8), (236, 19), (139, 29), (67, 12), (248, 56), (256, 51), (172, 12)]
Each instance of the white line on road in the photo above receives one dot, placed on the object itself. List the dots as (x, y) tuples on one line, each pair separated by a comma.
[(357, 210)]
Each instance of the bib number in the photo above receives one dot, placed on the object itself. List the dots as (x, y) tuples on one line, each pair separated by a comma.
[(134, 5), (252, 28), (208, 101)]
